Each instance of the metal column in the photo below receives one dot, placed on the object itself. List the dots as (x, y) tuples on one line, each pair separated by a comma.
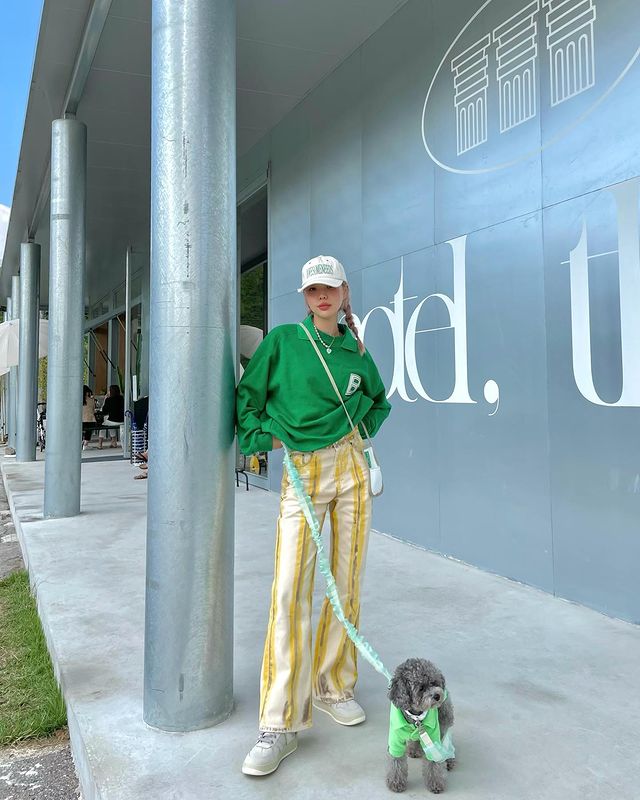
[(189, 587), (65, 366), (29, 334), (143, 377), (91, 363), (9, 391), (127, 352), (112, 352), (13, 372), (4, 391)]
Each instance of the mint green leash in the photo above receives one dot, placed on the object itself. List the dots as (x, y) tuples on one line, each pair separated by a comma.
[(309, 512), (434, 751)]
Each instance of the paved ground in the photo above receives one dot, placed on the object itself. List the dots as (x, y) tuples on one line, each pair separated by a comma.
[(546, 692), (10, 555), (40, 770), (92, 453)]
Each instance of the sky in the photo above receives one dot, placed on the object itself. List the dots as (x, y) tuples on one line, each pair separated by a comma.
[(19, 23)]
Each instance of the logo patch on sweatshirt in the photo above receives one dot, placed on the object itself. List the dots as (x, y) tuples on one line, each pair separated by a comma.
[(354, 384)]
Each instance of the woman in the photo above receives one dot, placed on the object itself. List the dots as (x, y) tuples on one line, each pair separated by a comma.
[(88, 415), (285, 396), (113, 410)]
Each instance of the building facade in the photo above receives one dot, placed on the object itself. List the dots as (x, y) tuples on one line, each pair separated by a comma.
[(478, 173)]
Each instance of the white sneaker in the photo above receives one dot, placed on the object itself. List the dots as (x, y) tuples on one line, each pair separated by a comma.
[(347, 712), (267, 753)]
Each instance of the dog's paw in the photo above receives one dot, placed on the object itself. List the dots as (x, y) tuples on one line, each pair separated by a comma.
[(435, 778), (436, 785), (397, 774), (451, 764), (396, 785)]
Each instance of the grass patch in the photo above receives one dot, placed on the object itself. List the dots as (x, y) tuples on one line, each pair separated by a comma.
[(31, 704)]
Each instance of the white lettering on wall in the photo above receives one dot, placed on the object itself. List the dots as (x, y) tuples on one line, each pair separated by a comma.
[(457, 311), (471, 79), (405, 362), (570, 42), (570, 35), (396, 322), (488, 80), (626, 198), (516, 55)]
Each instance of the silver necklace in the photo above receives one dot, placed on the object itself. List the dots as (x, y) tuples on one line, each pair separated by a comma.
[(326, 346)]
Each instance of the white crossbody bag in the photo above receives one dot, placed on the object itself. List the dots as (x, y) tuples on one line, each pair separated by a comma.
[(375, 472)]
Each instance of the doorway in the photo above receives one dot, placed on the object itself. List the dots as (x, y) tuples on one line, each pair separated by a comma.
[(253, 312)]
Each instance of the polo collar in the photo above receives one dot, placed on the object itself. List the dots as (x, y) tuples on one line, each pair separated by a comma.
[(348, 342)]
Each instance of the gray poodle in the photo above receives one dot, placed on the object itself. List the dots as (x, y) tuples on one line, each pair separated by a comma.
[(417, 686)]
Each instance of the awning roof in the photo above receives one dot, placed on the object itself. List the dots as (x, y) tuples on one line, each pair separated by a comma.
[(285, 48)]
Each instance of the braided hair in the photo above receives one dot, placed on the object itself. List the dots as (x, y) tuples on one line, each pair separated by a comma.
[(348, 317)]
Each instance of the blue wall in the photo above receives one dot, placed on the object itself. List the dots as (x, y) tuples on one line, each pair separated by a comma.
[(514, 441)]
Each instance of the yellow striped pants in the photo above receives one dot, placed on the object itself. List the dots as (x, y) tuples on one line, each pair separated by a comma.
[(337, 479)]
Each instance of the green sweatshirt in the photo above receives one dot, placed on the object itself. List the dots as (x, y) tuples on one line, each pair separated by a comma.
[(286, 393)]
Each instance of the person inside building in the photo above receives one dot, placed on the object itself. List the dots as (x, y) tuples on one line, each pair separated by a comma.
[(88, 415), (113, 410)]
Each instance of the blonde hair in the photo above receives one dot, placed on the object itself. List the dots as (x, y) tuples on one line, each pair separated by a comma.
[(348, 316)]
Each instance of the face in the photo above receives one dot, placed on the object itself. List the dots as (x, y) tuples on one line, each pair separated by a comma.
[(427, 693), (324, 301)]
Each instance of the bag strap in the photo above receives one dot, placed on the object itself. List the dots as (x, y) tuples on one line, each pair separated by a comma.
[(333, 383)]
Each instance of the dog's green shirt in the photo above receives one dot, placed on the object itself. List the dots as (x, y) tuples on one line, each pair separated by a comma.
[(401, 731)]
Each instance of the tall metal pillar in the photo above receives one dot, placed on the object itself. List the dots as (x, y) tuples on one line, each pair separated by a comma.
[(143, 377), (9, 391), (4, 315), (127, 352), (13, 372), (29, 333), (92, 351), (189, 589), (113, 353), (65, 365)]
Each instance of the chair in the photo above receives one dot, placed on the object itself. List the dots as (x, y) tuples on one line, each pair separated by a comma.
[(241, 469)]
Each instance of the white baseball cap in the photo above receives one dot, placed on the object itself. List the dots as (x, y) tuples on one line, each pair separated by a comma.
[(322, 269)]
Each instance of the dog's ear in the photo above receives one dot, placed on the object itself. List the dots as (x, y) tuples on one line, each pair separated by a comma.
[(432, 673), (398, 691)]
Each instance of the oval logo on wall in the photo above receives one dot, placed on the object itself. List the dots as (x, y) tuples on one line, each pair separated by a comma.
[(552, 61)]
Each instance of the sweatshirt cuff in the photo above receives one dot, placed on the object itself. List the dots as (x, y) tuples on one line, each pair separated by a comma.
[(264, 441)]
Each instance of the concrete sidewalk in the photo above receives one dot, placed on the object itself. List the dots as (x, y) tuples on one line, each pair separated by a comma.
[(547, 694)]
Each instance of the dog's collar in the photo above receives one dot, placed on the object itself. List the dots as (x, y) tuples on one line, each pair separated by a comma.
[(416, 719)]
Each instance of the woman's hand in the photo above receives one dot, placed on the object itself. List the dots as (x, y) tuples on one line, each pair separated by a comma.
[(277, 444)]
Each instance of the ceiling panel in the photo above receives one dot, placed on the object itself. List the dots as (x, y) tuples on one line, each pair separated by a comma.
[(125, 45), (66, 24), (123, 127), (116, 91), (260, 110), (131, 9), (113, 156), (247, 137), (330, 26), (281, 70)]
